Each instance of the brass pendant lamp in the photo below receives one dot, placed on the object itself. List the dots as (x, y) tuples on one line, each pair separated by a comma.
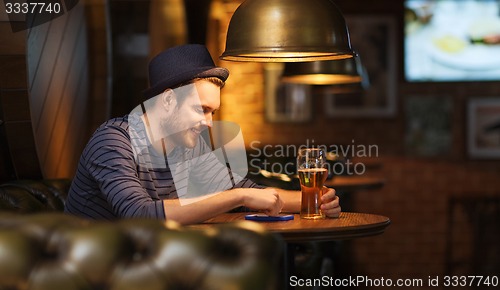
[(287, 31), (345, 71)]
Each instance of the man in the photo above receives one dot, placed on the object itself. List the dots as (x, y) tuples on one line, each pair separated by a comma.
[(144, 164)]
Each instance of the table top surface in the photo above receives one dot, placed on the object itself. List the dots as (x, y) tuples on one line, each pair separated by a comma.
[(348, 226)]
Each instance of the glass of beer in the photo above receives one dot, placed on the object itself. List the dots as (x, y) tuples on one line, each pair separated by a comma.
[(311, 166)]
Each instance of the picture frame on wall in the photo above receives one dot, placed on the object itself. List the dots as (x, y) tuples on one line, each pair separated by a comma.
[(285, 102), (483, 128), (374, 39)]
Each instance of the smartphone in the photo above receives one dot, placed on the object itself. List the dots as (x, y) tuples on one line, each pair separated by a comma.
[(266, 218)]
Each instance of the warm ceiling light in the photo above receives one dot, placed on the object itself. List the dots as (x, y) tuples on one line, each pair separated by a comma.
[(287, 31), (345, 71)]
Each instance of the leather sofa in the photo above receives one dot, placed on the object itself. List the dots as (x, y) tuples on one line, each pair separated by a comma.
[(43, 248), (29, 196)]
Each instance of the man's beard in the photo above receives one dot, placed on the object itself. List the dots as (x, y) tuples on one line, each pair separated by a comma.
[(178, 134)]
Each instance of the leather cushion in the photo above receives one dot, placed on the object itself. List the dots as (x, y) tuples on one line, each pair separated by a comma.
[(58, 251)]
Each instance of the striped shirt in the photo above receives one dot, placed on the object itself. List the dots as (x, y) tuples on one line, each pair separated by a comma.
[(117, 178)]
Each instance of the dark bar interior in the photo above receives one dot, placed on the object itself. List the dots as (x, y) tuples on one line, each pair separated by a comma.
[(417, 141)]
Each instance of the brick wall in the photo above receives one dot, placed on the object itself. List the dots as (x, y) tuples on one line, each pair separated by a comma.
[(416, 198)]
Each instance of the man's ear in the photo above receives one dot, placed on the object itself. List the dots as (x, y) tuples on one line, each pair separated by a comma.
[(168, 99)]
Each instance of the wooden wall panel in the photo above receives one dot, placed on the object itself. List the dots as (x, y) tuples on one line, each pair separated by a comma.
[(16, 42), (46, 129), (62, 150), (54, 67), (43, 66), (16, 100), (12, 71), (100, 62), (37, 36), (58, 74), (75, 135), (22, 151), (18, 157)]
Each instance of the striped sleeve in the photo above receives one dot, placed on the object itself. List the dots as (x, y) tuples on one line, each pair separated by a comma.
[(109, 159)]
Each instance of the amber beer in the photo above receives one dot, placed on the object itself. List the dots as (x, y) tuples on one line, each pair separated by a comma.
[(311, 184)]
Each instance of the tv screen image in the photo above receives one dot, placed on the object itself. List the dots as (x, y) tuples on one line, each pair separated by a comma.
[(452, 40)]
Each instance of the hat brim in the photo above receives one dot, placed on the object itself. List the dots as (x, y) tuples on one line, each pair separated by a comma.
[(203, 72)]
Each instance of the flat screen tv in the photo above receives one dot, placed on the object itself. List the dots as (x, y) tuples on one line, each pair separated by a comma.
[(452, 40)]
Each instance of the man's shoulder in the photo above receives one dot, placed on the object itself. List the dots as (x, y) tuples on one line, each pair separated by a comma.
[(111, 130), (116, 123), (112, 136), (124, 125)]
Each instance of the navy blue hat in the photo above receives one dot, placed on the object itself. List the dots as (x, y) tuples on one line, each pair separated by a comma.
[(181, 64)]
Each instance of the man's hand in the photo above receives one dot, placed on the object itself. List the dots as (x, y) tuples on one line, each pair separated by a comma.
[(266, 200), (330, 203)]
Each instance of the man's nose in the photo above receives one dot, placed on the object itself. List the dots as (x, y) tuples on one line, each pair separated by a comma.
[(207, 121)]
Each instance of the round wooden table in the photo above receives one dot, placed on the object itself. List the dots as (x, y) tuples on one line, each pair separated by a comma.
[(348, 226)]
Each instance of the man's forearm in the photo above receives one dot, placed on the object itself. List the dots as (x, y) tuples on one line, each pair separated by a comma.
[(291, 200), (265, 200), (202, 210)]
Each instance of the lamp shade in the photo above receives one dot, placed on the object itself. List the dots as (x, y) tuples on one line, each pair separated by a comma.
[(287, 31), (333, 72)]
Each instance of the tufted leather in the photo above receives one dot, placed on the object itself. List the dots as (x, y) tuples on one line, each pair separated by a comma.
[(25, 196), (58, 251)]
